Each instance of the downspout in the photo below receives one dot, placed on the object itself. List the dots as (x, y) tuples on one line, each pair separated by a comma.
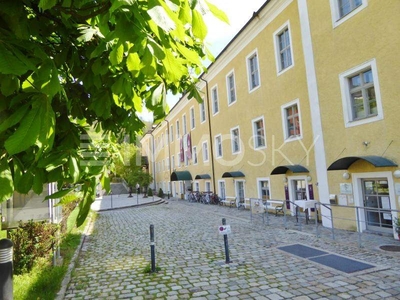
[(209, 129), (169, 157), (154, 164)]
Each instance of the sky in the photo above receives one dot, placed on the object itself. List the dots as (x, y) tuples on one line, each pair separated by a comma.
[(220, 33)]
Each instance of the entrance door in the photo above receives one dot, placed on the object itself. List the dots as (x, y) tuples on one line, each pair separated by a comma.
[(297, 191), (239, 191), (376, 197)]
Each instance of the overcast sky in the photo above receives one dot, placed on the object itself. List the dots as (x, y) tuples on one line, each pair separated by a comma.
[(220, 33)]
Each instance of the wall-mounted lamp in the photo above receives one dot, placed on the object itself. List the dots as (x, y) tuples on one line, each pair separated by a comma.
[(284, 179), (396, 174), (346, 175), (309, 178)]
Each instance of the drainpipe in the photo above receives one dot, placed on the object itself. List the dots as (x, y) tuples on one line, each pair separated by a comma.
[(211, 140), (154, 164), (169, 157)]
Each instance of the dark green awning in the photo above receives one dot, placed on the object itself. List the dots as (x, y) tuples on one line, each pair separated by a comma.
[(203, 176), (232, 174), (181, 175), (345, 162), (293, 168)]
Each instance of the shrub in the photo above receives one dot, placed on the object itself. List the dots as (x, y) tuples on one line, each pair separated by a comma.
[(150, 192), (160, 193), (32, 240)]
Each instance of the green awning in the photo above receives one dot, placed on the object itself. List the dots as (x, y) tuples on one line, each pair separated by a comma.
[(345, 162), (203, 176), (181, 176), (232, 174), (293, 168)]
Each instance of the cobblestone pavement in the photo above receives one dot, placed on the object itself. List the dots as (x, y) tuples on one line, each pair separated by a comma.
[(191, 261)]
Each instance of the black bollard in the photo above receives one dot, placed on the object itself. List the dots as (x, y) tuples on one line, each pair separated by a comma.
[(152, 250), (6, 269), (227, 259)]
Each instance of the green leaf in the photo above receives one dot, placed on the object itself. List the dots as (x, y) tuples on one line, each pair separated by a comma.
[(6, 181), (199, 28), (9, 64), (73, 168), (117, 55), (47, 4), (59, 194), (173, 66), (159, 15), (105, 181), (39, 180), (217, 12), (9, 84), (25, 183), (26, 134), (190, 55), (158, 94), (88, 198), (14, 118), (47, 128), (133, 62)]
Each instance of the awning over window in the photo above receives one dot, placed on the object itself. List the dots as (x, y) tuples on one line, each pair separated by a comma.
[(293, 168), (345, 162), (181, 175), (232, 174), (203, 176)]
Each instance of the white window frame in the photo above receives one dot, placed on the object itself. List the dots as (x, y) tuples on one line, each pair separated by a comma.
[(217, 154), (260, 179), (249, 74), (173, 162), (207, 186), (233, 141), (284, 121), (202, 109), (171, 133), (277, 33), (196, 186), (177, 130), (220, 194), (215, 100), (255, 133), (346, 98), (335, 12), (184, 124), (229, 88), (204, 151), (194, 155), (178, 155), (192, 118)]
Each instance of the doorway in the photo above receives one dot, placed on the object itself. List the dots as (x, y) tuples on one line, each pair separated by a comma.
[(297, 190), (376, 201)]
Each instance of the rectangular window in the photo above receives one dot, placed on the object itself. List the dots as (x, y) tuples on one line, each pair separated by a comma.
[(197, 186), (259, 133), (177, 130), (178, 159), (171, 133), (361, 95), (263, 189), (342, 10), (205, 151), (283, 48), (231, 89), (221, 189), (192, 119), (208, 186), (291, 120), (173, 162), (184, 127), (214, 96), (195, 155), (235, 139), (218, 146), (347, 6), (254, 76), (202, 112)]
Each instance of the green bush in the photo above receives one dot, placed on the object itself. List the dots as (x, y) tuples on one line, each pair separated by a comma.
[(32, 240), (150, 192), (160, 193)]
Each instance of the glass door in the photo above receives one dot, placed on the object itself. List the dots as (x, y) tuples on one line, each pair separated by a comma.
[(376, 201)]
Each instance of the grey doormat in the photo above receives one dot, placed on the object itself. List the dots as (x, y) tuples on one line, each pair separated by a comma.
[(334, 261)]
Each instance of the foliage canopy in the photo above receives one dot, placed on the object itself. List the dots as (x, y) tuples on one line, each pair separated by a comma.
[(67, 66)]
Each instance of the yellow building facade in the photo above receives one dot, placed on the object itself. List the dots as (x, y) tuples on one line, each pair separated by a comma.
[(301, 104)]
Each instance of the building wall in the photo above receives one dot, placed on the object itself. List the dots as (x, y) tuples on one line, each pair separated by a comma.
[(326, 50)]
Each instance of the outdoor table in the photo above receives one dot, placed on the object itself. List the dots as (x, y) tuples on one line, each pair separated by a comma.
[(305, 205)]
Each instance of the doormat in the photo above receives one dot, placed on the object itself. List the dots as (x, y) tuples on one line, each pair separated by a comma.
[(392, 248), (334, 261)]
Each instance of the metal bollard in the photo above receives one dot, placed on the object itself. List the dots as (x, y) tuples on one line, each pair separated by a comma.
[(6, 269), (152, 250), (227, 259)]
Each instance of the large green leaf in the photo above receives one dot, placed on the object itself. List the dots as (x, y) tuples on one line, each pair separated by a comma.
[(117, 55), (14, 118), (199, 28), (59, 194), (73, 168), (47, 4), (88, 198), (26, 134), (6, 181), (9, 64), (217, 12)]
